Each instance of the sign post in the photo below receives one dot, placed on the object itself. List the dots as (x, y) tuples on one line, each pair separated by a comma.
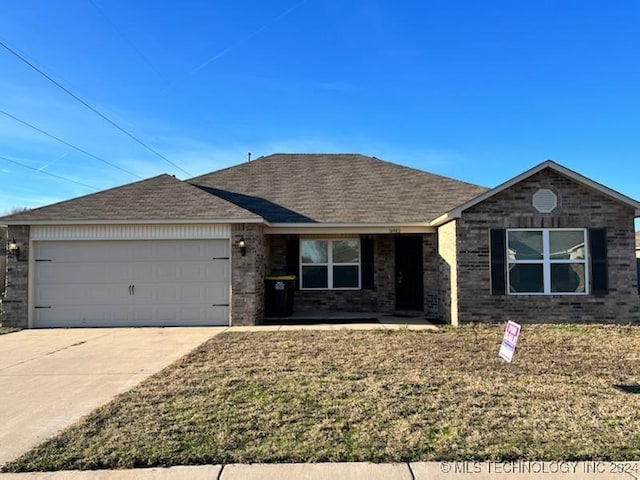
[(509, 341)]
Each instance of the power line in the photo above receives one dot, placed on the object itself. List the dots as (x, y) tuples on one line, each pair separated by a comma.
[(101, 115), (126, 39), (47, 173), (67, 143)]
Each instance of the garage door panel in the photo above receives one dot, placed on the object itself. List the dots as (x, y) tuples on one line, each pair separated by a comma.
[(80, 252), (216, 269), (82, 316), (122, 317), (79, 273), (178, 271), (182, 294), (198, 293), (81, 294), (175, 282), (142, 271), (143, 315)]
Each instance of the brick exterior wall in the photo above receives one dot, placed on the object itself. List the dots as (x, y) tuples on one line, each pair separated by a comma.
[(15, 307), (310, 301), (578, 207), (384, 263), (247, 275), (431, 282)]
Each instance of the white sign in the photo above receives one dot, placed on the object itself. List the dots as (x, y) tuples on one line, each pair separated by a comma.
[(509, 341)]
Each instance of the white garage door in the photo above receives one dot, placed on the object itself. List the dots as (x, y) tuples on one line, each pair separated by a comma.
[(131, 283)]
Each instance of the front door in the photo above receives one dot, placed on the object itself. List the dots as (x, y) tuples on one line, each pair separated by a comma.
[(409, 286)]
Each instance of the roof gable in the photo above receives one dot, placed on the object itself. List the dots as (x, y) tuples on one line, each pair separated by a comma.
[(160, 198), (587, 182), (336, 188)]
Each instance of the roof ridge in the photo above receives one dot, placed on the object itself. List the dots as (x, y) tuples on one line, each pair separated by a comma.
[(316, 153), (262, 158), (272, 156)]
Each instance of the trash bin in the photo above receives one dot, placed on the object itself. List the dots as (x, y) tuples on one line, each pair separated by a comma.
[(278, 295)]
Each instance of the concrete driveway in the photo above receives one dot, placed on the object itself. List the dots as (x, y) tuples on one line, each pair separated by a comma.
[(51, 378)]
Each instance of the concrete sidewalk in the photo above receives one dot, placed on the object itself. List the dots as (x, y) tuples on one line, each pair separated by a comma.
[(516, 470), (394, 323)]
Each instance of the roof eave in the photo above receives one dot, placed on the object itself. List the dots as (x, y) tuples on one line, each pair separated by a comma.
[(445, 218), (138, 222), (350, 227)]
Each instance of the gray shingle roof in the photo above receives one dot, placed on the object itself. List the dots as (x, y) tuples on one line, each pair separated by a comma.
[(337, 188), (159, 198)]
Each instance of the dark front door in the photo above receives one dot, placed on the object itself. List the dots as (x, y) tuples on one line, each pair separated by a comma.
[(409, 288)]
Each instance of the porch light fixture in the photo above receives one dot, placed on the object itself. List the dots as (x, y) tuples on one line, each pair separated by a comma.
[(14, 248), (242, 245)]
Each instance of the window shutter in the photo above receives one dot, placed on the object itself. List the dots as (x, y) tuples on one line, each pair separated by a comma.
[(293, 259), (498, 260), (598, 250), (367, 267)]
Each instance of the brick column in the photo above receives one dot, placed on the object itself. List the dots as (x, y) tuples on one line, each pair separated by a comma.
[(385, 264), (247, 275), (430, 276), (15, 306)]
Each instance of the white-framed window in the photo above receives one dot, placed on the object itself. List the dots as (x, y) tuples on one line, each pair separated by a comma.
[(330, 264), (547, 261)]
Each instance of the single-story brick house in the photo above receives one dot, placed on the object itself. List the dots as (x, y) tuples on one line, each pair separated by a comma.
[(638, 256), (360, 234)]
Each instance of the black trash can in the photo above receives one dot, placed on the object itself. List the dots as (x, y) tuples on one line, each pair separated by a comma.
[(278, 295)]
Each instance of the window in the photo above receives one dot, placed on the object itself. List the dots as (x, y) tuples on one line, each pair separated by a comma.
[(547, 261), (330, 264)]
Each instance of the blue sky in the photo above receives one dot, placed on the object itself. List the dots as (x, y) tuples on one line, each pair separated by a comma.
[(478, 91)]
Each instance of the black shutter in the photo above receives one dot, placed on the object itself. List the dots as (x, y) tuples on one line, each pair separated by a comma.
[(598, 250), (293, 259), (498, 260), (367, 267), (638, 266)]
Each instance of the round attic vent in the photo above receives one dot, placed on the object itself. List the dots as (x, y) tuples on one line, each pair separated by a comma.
[(545, 201)]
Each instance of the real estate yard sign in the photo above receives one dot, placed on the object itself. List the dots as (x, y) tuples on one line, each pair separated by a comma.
[(511, 334)]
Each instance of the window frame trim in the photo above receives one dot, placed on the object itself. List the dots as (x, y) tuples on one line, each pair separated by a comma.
[(546, 261), (330, 264)]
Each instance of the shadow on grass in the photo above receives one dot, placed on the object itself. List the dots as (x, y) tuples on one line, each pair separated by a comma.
[(628, 388)]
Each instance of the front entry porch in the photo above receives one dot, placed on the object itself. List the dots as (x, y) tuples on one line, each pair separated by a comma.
[(347, 318), (395, 276)]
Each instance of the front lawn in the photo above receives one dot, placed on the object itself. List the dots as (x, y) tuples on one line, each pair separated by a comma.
[(382, 396)]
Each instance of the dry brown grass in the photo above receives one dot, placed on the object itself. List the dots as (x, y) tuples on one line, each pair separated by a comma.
[(5, 330), (380, 396)]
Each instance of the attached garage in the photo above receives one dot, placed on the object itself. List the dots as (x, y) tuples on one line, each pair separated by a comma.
[(145, 282), (158, 252)]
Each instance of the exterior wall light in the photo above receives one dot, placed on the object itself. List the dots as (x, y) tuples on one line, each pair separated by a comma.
[(242, 245), (14, 248)]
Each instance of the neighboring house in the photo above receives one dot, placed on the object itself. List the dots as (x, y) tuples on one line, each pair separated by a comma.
[(638, 257), (3, 259), (359, 233)]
